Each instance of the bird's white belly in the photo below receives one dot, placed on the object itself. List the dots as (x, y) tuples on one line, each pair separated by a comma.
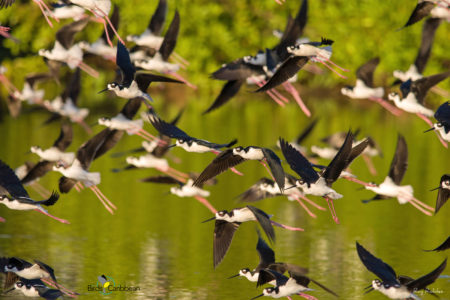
[(149, 161), (194, 147), (327, 153)]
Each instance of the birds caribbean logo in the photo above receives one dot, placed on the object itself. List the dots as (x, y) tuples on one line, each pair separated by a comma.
[(104, 282)]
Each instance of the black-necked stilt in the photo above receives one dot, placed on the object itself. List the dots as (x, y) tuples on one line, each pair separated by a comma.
[(133, 84), (391, 285), (66, 51), (30, 93), (433, 8), (296, 283), (100, 9), (44, 9), (234, 156), (320, 184), (443, 192), (228, 222), (391, 187), (444, 246), (364, 87), (35, 288), (26, 270), (18, 198), (66, 10), (442, 115), (78, 170), (266, 188), (101, 46), (266, 257), (184, 189)]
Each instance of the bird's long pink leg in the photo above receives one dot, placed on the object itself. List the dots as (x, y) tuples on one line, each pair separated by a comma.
[(174, 158), (9, 86), (40, 190), (83, 124), (181, 78), (233, 169), (306, 296), (179, 173), (290, 88), (80, 185), (304, 206), (91, 71), (391, 108), (358, 181), (104, 197), (206, 203), (420, 208), (334, 64), (265, 166), (286, 227), (275, 92), (151, 136), (4, 32), (39, 3), (178, 56), (178, 62), (369, 164), (77, 188), (312, 203), (440, 91), (60, 287), (332, 210), (326, 65), (269, 92), (101, 200), (110, 24), (2, 220), (422, 204), (138, 133), (182, 179), (51, 216), (428, 121)]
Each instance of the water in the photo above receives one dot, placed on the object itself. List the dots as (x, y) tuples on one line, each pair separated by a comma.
[(157, 241)]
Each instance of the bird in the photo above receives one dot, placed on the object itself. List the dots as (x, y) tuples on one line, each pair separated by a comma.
[(184, 189), (364, 87), (35, 288), (435, 9), (66, 10), (64, 49), (31, 271), (442, 115), (234, 156), (443, 192), (29, 92), (227, 222), (18, 198), (444, 246), (319, 184), (44, 9), (391, 285), (78, 170), (133, 84), (391, 187), (296, 283)]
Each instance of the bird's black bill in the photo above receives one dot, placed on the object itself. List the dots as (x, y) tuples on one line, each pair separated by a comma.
[(10, 290), (432, 128), (435, 189), (171, 146), (233, 276), (213, 218), (257, 296), (102, 91)]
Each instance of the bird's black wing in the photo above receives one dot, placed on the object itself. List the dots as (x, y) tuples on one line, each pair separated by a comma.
[(306, 132), (158, 18), (356, 151), (340, 160), (237, 70), (255, 193), (46, 268), (298, 163), (229, 90), (88, 150), (143, 80), (10, 182), (110, 141), (267, 275), (422, 10), (214, 145), (123, 61), (324, 287), (425, 280), (223, 235), (162, 179), (65, 137), (443, 193), (115, 19), (442, 114), (275, 167), (66, 184), (444, 246), (33, 79), (266, 254), (421, 86), (131, 108), (50, 201), (167, 129), (399, 163), (264, 221), (170, 38), (365, 72), (6, 3), (428, 32), (65, 35), (288, 68), (377, 266), (10, 279), (37, 171), (49, 294), (225, 160)]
